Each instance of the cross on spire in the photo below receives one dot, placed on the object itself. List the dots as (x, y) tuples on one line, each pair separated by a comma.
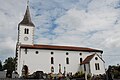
[(27, 2)]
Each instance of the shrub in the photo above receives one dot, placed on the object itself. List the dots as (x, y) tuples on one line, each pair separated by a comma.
[(79, 74)]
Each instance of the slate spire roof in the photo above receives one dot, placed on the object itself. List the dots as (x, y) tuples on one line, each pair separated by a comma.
[(27, 19)]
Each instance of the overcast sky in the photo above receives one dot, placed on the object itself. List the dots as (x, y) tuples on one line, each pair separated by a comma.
[(84, 23)]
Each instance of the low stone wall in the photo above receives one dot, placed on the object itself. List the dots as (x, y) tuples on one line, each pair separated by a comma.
[(2, 74), (33, 79)]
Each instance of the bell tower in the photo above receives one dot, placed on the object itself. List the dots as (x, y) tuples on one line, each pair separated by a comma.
[(26, 29)]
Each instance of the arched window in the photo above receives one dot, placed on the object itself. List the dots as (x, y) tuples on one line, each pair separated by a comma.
[(52, 60), (80, 60), (84, 67), (25, 70), (26, 31), (67, 60), (52, 69)]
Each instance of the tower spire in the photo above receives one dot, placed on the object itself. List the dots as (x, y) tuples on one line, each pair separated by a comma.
[(27, 19)]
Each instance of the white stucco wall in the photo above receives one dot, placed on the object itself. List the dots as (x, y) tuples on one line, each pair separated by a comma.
[(87, 68), (42, 60), (101, 64)]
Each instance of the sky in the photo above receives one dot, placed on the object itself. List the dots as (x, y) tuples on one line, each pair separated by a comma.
[(83, 23)]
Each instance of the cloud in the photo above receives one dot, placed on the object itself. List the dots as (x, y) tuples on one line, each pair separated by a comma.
[(92, 28), (10, 17)]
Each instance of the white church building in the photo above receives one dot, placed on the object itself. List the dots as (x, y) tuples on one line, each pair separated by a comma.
[(62, 59)]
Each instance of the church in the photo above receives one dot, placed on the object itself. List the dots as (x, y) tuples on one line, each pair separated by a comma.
[(53, 58)]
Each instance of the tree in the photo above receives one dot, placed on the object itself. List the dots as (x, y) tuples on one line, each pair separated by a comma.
[(9, 65), (1, 67)]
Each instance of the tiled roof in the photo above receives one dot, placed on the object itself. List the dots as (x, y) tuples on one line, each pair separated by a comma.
[(27, 19), (88, 58), (53, 47)]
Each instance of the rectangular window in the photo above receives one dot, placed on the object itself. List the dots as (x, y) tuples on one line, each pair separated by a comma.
[(67, 60), (97, 66)]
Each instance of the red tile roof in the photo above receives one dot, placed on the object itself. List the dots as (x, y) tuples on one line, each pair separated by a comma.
[(88, 58), (53, 47)]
